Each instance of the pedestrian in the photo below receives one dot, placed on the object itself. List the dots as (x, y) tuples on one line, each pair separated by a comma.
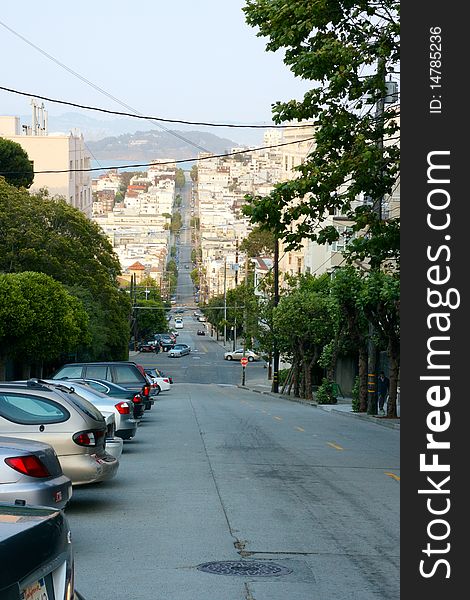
[(382, 390), (157, 347)]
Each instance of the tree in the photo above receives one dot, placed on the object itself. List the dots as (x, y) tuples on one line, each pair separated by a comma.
[(51, 237), (303, 326), (193, 173), (381, 304), (350, 322), (258, 243), (39, 319), (180, 179), (15, 165), (333, 44)]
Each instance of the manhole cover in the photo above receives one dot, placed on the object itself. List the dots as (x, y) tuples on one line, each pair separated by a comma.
[(244, 568)]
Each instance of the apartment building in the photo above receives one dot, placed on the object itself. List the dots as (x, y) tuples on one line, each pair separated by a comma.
[(64, 153)]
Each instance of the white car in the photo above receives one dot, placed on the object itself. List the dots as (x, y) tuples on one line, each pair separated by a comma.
[(237, 355), (162, 382)]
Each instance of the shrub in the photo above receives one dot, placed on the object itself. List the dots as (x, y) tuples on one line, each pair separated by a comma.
[(355, 395), (325, 393)]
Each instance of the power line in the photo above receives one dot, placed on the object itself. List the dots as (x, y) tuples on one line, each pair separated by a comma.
[(149, 118), (96, 87), (170, 162)]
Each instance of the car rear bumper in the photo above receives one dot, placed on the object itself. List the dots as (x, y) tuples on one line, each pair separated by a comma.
[(55, 492), (89, 468)]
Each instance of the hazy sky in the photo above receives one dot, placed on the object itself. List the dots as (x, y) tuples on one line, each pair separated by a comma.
[(189, 59)]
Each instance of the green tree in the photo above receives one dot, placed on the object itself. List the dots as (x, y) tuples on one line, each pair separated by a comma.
[(303, 326), (350, 324), (15, 165), (180, 179), (381, 304), (193, 173), (333, 44), (259, 242), (39, 319), (51, 237)]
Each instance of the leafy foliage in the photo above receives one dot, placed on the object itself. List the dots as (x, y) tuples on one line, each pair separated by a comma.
[(15, 165), (333, 44), (260, 242)]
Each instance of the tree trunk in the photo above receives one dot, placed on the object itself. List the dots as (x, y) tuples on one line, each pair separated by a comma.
[(296, 378), (362, 379), (393, 371)]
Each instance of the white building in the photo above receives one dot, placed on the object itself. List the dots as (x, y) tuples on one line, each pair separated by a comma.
[(60, 160)]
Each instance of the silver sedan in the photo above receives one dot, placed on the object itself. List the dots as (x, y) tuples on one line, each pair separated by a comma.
[(30, 472)]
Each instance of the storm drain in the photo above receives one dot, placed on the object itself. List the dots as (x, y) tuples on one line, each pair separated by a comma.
[(243, 568)]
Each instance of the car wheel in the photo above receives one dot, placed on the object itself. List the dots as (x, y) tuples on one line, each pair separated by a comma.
[(229, 357), (250, 359)]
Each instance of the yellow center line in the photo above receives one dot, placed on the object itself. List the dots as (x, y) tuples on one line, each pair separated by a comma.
[(335, 446), (300, 429), (393, 476), (278, 418)]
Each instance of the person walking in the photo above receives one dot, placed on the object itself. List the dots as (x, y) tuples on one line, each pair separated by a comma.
[(382, 391)]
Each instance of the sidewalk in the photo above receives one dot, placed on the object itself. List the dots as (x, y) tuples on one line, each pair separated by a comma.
[(343, 407)]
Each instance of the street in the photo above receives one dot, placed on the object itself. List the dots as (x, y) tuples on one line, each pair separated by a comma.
[(217, 473)]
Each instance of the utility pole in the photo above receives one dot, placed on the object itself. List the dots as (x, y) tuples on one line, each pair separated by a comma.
[(372, 350), (225, 300), (245, 317), (275, 382)]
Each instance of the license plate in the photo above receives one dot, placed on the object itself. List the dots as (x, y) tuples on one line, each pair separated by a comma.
[(35, 591)]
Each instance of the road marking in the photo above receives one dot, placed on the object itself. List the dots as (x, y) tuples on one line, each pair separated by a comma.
[(300, 429), (335, 446), (393, 476), (278, 418)]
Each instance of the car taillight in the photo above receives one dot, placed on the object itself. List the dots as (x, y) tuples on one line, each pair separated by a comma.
[(88, 438), (28, 465), (137, 399), (123, 408), (166, 380), (146, 390)]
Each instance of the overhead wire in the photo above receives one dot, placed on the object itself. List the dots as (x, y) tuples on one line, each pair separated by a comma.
[(152, 118)]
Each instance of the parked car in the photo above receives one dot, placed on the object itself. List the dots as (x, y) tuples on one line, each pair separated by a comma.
[(237, 355), (124, 373), (147, 347), (161, 381), (179, 350), (201, 332), (166, 341), (53, 414), (114, 444), (117, 392), (30, 472), (125, 426), (36, 554)]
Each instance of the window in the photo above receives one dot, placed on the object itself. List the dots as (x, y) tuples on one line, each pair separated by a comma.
[(70, 371), (31, 410), (98, 372), (127, 374)]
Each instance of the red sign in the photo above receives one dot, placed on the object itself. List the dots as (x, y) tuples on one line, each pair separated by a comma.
[(244, 361)]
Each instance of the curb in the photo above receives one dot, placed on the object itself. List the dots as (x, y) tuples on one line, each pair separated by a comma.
[(377, 420)]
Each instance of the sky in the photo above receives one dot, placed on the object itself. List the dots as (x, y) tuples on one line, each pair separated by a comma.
[(183, 59)]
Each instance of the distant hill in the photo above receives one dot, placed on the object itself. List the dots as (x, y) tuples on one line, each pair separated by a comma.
[(145, 146)]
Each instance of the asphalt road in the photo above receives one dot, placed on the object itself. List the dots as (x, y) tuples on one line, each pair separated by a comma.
[(307, 499), (217, 473)]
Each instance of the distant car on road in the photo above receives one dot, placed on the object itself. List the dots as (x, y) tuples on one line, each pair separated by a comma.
[(30, 472), (201, 332), (237, 355), (179, 350)]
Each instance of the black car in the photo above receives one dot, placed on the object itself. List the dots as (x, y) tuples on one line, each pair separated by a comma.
[(201, 332), (36, 554), (125, 373)]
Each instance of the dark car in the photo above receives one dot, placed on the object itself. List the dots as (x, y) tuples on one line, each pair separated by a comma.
[(201, 332), (125, 373), (166, 341), (146, 347), (36, 554)]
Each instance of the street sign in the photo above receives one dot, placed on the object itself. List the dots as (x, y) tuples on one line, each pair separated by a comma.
[(244, 361)]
